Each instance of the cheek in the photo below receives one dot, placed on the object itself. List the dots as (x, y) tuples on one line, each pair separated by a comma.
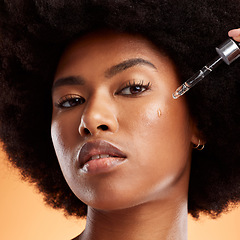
[(57, 139), (64, 131), (60, 148), (164, 122), (161, 138), (64, 144)]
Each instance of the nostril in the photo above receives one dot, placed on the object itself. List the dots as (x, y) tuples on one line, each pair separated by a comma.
[(86, 131), (103, 127)]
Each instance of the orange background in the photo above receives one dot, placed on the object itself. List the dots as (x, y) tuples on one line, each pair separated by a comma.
[(24, 216)]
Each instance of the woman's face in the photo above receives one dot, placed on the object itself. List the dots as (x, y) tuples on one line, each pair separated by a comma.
[(120, 137)]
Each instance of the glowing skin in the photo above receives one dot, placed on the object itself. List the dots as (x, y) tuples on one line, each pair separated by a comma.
[(152, 182)]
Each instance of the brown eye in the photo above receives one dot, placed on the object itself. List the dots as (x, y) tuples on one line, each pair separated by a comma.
[(70, 101), (134, 89)]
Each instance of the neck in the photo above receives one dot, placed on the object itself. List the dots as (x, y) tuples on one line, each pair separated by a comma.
[(163, 217), (164, 220)]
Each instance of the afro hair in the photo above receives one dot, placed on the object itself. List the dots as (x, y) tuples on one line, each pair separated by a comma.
[(33, 35)]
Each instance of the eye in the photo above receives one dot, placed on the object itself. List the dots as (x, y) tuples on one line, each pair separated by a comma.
[(134, 88), (69, 101)]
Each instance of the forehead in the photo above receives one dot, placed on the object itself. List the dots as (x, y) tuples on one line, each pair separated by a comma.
[(105, 48), (113, 41)]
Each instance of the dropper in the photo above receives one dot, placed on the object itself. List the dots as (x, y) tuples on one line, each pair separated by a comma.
[(228, 52)]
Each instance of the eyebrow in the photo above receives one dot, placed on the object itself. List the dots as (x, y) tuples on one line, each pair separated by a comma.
[(72, 80), (112, 71)]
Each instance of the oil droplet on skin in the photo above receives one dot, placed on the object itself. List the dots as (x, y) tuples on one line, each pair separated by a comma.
[(159, 112)]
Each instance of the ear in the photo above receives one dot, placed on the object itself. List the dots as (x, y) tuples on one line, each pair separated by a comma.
[(196, 135)]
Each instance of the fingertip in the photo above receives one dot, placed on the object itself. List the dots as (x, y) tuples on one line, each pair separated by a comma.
[(237, 38), (234, 33)]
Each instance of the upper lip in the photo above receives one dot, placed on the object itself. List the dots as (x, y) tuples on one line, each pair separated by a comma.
[(92, 148)]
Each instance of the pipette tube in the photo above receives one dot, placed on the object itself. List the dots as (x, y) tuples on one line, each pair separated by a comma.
[(228, 52)]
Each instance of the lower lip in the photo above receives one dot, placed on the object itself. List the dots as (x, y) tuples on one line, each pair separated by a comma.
[(102, 165)]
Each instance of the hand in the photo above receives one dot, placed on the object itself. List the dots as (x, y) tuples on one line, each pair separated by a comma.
[(235, 34)]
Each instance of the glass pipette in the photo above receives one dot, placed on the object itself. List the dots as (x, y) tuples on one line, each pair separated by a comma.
[(228, 52)]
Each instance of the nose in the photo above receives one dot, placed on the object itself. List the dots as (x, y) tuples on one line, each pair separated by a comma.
[(98, 117)]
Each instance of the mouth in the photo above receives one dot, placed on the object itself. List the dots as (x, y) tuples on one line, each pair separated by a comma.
[(99, 156)]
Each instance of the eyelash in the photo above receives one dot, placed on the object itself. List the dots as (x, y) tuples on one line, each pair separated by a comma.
[(132, 84), (73, 97), (78, 100)]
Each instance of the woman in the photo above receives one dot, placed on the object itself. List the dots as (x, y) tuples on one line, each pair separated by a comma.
[(125, 147)]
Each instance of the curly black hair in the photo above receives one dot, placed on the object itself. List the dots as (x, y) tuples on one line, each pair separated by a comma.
[(33, 35)]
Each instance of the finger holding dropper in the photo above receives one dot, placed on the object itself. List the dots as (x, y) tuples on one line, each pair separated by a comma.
[(235, 34)]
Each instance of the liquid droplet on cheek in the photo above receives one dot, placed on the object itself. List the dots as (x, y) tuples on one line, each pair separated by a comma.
[(159, 112)]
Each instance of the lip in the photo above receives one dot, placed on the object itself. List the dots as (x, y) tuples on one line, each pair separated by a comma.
[(98, 147)]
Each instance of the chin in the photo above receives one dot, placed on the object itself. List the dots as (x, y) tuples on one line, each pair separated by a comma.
[(110, 203)]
